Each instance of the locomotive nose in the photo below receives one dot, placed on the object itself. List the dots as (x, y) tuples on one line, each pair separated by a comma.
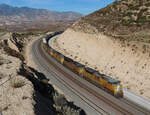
[(120, 91)]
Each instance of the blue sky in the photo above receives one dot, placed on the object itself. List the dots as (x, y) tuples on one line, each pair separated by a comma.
[(81, 6)]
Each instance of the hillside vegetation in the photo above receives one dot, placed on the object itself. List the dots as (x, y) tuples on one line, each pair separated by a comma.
[(125, 19)]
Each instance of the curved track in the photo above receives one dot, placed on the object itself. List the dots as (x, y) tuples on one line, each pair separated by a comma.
[(95, 98)]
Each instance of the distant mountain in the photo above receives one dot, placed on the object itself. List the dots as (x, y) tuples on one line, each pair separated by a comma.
[(6, 10), (23, 15)]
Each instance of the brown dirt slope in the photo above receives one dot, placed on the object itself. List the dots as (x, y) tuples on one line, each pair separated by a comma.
[(115, 41)]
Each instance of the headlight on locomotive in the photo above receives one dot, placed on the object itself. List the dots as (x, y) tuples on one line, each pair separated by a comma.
[(118, 90)]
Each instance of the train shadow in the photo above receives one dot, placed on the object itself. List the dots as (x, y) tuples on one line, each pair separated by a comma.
[(38, 74), (44, 93)]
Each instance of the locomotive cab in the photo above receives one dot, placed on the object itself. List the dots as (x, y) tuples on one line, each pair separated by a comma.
[(118, 91), (113, 86), (89, 73), (79, 68)]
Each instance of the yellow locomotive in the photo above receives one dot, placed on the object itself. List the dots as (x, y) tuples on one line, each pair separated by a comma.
[(105, 82), (68, 63), (78, 68), (112, 85), (51, 51), (108, 83), (60, 57)]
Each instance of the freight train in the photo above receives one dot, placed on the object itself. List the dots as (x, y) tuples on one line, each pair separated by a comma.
[(105, 82)]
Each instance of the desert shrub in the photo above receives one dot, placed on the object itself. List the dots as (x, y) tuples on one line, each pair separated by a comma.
[(127, 22), (59, 100), (14, 53), (142, 19), (128, 44), (65, 107), (17, 83), (132, 7), (129, 14), (144, 47), (45, 81), (144, 52), (86, 63), (141, 91), (95, 67), (76, 57), (1, 62), (147, 4)]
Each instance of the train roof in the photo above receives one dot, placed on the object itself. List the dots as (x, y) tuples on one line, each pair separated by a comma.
[(56, 51), (110, 79), (61, 55), (97, 74), (68, 59), (51, 48), (90, 70), (78, 64)]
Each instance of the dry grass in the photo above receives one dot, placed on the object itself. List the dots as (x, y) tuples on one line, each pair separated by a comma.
[(17, 83), (45, 81)]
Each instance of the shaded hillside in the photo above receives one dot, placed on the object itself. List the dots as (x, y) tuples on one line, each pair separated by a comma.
[(121, 19), (24, 18)]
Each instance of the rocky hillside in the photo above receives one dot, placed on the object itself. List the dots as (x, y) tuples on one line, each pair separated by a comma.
[(115, 41), (123, 19), (25, 17)]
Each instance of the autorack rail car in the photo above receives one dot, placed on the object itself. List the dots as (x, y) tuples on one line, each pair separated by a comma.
[(107, 83)]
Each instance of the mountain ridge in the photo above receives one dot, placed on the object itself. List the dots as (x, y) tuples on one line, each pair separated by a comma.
[(7, 10), (21, 18)]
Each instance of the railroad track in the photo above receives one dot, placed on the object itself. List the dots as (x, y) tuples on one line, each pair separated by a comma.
[(58, 69), (90, 103)]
